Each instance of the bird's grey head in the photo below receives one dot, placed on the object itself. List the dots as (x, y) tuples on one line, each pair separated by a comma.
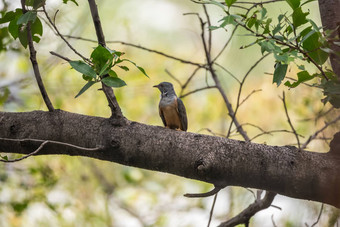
[(166, 88)]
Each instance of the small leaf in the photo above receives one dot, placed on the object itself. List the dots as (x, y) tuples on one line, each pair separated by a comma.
[(99, 56), (293, 3), (28, 16), (7, 17), (125, 68), (230, 2), (299, 17), (87, 86), (106, 68), (138, 67), (113, 82), (74, 1), (83, 68), (303, 76), (38, 3), (22, 34), (113, 73), (279, 73)]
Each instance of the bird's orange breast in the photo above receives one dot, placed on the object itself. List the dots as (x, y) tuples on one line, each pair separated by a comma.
[(171, 116)]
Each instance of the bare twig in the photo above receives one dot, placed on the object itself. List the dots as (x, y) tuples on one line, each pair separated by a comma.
[(212, 210), (34, 62), (289, 121), (26, 156), (214, 191), (317, 220), (60, 56), (140, 47), (240, 90), (173, 77), (312, 137), (245, 215), (62, 37), (197, 90), (42, 144)]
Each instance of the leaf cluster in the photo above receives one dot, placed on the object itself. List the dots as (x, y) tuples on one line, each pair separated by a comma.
[(291, 37), (100, 69)]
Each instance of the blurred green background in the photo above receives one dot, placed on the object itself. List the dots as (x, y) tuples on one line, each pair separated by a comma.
[(77, 191)]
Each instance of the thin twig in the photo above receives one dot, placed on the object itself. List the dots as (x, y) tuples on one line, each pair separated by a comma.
[(317, 220), (26, 156), (140, 47), (240, 91), (289, 121), (173, 77), (214, 191), (62, 37), (251, 210), (197, 90), (312, 137), (34, 62), (60, 56), (212, 210)]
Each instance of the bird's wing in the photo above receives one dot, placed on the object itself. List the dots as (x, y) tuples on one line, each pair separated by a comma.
[(162, 115), (182, 114)]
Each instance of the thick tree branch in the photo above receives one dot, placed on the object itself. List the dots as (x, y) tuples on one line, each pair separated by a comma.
[(33, 58), (216, 160), (330, 17)]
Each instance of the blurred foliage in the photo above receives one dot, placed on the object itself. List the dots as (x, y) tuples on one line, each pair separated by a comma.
[(77, 191)]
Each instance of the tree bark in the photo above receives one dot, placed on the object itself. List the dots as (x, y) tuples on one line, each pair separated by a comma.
[(220, 161), (330, 17)]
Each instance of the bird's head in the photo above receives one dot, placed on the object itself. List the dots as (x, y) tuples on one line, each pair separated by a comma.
[(165, 88)]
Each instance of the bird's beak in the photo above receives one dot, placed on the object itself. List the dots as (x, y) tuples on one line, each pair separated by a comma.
[(156, 86)]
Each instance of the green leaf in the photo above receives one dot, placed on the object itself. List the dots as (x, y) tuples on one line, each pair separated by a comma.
[(113, 82), (230, 2), (125, 68), (113, 73), (331, 90), (38, 3), (299, 17), (106, 68), (28, 16), (230, 19), (312, 46), (13, 27), (74, 1), (22, 34), (4, 157), (308, 1), (87, 86), (263, 12), (83, 68), (99, 56), (303, 76), (7, 17), (293, 3), (277, 29), (251, 22), (138, 67), (279, 73)]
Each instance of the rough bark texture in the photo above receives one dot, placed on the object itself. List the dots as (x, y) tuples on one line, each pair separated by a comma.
[(220, 161), (330, 17)]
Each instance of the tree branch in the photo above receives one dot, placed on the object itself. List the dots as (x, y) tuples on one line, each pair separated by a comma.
[(34, 62), (108, 91), (245, 215), (216, 160)]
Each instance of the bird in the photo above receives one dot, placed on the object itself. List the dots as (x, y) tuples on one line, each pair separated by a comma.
[(171, 108)]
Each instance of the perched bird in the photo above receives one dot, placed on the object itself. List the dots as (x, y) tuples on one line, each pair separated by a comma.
[(171, 108)]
